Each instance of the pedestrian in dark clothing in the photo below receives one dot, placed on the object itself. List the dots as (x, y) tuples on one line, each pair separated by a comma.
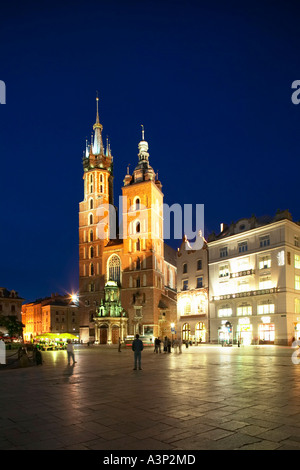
[(137, 348), (157, 345)]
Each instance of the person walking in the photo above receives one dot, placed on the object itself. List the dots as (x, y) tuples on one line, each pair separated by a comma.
[(70, 352), (137, 348), (157, 345)]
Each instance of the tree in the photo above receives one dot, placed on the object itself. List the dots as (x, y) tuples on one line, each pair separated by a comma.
[(12, 324)]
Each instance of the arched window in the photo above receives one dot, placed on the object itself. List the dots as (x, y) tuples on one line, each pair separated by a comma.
[(186, 332), (92, 252), (138, 227), (91, 236), (92, 269), (91, 203), (114, 269), (137, 204), (91, 219)]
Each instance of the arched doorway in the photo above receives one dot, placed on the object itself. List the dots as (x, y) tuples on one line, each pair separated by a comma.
[(103, 334)]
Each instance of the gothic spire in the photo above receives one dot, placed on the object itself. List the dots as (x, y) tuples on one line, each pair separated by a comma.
[(98, 144)]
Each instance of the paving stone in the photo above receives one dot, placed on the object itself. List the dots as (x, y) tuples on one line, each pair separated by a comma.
[(173, 405)]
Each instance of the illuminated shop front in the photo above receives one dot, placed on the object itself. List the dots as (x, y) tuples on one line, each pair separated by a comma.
[(266, 331), (225, 333), (200, 333), (244, 331)]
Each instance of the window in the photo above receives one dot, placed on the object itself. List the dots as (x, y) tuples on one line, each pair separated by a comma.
[(244, 310), (225, 311), (114, 269), (138, 245), (91, 203), (138, 282), (187, 308), (265, 282), (264, 241), (138, 263), (91, 235), (92, 287), (297, 261), (91, 219), (185, 285), (199, 282), (199, 264), (92, 269), (265, 308), (138, 227), (223, 252), (243, 285), (224, 271), (92, 252), (137, 204), (297, 282), (184, 268), (296, 240), (297, 306), (265, 262), (243, 247)]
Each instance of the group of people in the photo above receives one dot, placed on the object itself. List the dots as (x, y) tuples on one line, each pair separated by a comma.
[(137, 348), (167, 344)]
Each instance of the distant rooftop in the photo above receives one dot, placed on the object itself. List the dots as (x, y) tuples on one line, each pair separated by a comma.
[(242, 225)]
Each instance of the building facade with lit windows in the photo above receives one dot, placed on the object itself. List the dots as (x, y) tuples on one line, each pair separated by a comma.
[(55, 314), (131, 253), (10, 303), (254, 281), (192, 293)]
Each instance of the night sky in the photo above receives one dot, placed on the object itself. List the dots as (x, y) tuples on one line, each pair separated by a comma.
[(210, 81)]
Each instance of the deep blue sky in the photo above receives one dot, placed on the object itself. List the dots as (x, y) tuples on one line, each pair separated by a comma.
[(210, 81)]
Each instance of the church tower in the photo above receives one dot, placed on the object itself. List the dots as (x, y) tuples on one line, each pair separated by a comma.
[(143, 281), (94, 225)]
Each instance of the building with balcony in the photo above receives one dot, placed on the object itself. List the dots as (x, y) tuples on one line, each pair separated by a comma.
[(254, 281)]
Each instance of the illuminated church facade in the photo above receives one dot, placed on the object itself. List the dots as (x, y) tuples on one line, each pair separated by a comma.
[(129, 264)]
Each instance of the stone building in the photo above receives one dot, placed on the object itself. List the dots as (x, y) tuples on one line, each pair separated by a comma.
[(10, 303), (192, 292), (254, 281), (55, 314), (131, 252)]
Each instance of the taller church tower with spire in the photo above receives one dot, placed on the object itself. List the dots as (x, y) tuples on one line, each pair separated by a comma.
[(137, 260)]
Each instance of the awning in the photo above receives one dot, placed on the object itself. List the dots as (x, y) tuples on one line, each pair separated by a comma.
[(57, 336)]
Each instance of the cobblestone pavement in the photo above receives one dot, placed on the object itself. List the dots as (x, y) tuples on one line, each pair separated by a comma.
[(206, 398)]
